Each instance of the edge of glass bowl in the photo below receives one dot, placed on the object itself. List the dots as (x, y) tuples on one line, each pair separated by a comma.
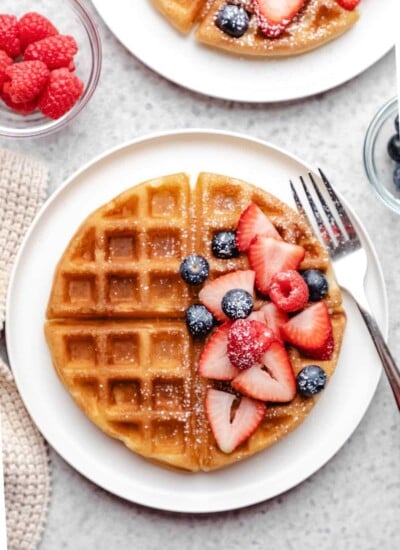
[(96, 50), (371, 135)]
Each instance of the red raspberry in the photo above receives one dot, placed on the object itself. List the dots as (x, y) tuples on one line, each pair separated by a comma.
[(55, 51), (247, 341), (21, 108), (33, 27), (9, 36), (5, 61), (27, 80), (61, 93), (288, 290)]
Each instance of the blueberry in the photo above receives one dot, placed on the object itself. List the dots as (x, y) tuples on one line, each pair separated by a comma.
[(317, 284), (396, 176), (311, 380), (194, 269), (396, 124), (199, 320), (224, 245), (232, 20), (393, 148), (237, 304)]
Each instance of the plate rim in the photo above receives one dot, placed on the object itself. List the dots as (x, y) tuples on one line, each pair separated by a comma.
[(187, 507), (231, 96)]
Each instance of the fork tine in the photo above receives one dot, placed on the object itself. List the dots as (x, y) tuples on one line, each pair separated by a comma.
[(349, 227), (325, 236), (299, 206), (337, 232)]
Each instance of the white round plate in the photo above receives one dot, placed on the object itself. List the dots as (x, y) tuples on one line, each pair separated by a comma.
[(106, 461), (147, 35)]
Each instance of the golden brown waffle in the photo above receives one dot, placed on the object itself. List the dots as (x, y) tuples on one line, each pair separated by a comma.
[(124, 259), (319, 22), (181, 13), (126, 357), (134, 380)]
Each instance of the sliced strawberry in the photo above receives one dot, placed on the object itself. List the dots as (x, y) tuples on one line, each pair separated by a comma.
[(214, 362), (253, 222), (275, 15), (268, 256), (348, 5), (311, 331), (228, 433), (247, 341), (275, 319), (325, 352), (212, 293), (271, 380)]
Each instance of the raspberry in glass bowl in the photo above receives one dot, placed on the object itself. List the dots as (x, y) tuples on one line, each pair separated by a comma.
[(53, 66)]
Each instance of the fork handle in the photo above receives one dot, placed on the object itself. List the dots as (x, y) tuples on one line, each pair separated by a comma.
[(391, 369)]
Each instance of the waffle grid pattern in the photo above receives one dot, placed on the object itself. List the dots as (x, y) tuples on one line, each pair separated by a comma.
[(135, 378), (129, 362), (126, 261)]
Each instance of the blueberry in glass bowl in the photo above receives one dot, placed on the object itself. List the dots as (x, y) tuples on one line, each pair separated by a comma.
[(71, 20), (382, 154)]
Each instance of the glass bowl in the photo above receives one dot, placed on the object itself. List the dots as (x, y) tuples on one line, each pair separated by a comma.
[(70, 17), (378, 164)]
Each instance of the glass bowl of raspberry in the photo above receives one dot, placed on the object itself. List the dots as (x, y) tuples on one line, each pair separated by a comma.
[(50, 63), (382, 154)]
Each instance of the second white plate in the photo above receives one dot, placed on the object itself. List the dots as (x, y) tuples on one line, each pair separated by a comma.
[(107, 462), (147, 35)]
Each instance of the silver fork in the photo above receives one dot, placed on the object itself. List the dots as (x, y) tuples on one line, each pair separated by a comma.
[(338, 234)]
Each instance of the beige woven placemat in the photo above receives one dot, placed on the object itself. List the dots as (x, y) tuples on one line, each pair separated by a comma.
[(23, 183)]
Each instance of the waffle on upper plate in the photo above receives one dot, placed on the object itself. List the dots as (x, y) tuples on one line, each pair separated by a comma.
[(318, 22), (116, 327)]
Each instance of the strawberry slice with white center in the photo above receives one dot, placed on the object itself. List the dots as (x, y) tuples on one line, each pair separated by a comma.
[(275, 15), (275, 319), (269, 256), (270, 380), (214, 361), (228, 433), (253, 222), (311, 332), (212, 293)]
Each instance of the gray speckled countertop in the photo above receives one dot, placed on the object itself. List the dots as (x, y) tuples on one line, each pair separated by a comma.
[(353, 503)]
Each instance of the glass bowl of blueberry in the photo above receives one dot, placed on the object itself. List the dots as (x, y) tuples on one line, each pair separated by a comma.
[(382, 154), (50, 62)]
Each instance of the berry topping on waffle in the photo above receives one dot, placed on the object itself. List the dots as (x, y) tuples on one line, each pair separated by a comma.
[(247, 341), (288, 291), (230, 433), (311, 331), (272, 379), (275, 15), (269, 256), (214, 292)]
